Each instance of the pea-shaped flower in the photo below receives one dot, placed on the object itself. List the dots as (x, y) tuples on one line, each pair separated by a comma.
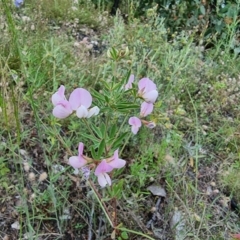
[(135, 123), (146, 109), (106, 166), (80, 160), (147, 90), (80, 100)]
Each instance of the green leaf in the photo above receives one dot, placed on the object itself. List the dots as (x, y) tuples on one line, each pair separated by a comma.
[(118, 141), (106, 98), (101, 149), (97, 95), (117, 86), (124, 235), (113, 53), (117, 189), (94, 139), (106, 85), (103, 129), (97, 130), (94, 155), (127, 106), (202, 10), (113, 131), (127, 77)]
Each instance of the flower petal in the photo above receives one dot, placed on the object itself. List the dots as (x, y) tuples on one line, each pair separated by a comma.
[(135, 129), (116, 162), (104, 179), (150, 96), (146, 109), (62, 110), (119, 163), (146, 85), (129, 83), (58, 96), (77, 162), (80, 149), (93, 112), (80, 96), (103, 167), (134, 121), (82, 112)]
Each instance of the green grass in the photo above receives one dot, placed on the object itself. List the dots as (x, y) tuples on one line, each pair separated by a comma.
[(195, 143)]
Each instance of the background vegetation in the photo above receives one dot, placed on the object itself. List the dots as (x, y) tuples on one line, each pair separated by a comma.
[(190, 49)]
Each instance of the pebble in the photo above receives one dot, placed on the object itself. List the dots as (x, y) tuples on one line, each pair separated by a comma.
[(31, 176)]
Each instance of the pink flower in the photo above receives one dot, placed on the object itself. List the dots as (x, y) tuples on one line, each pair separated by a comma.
[(78, 161), (135, 123), (80, 100), (62, 107), (58, 96), (115, 161), (129, 83), (146, 109), (107, 165), (101, 172), (147, 90), (80, 97)]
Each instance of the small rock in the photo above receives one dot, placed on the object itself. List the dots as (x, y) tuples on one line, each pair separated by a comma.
[(151, 179), (33, 195), (32, 27), (177, 223), (26, 167), (213, 184), (153, 209), (43, 176), (216, 191), (26, 18), (89, 46), (157, 190), (31, 176), (168, 158), (209, 190), (23, 153), (15, 225)]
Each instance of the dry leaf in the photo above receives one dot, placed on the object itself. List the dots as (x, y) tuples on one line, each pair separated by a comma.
[(191, 162)]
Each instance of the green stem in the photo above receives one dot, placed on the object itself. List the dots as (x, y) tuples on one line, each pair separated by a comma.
[(90, 130), (197, 138), (125, 143), (102, 205), (120, 129)]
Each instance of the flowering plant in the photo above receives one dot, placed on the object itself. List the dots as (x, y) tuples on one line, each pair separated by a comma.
[(116, 105), (105, 138)]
